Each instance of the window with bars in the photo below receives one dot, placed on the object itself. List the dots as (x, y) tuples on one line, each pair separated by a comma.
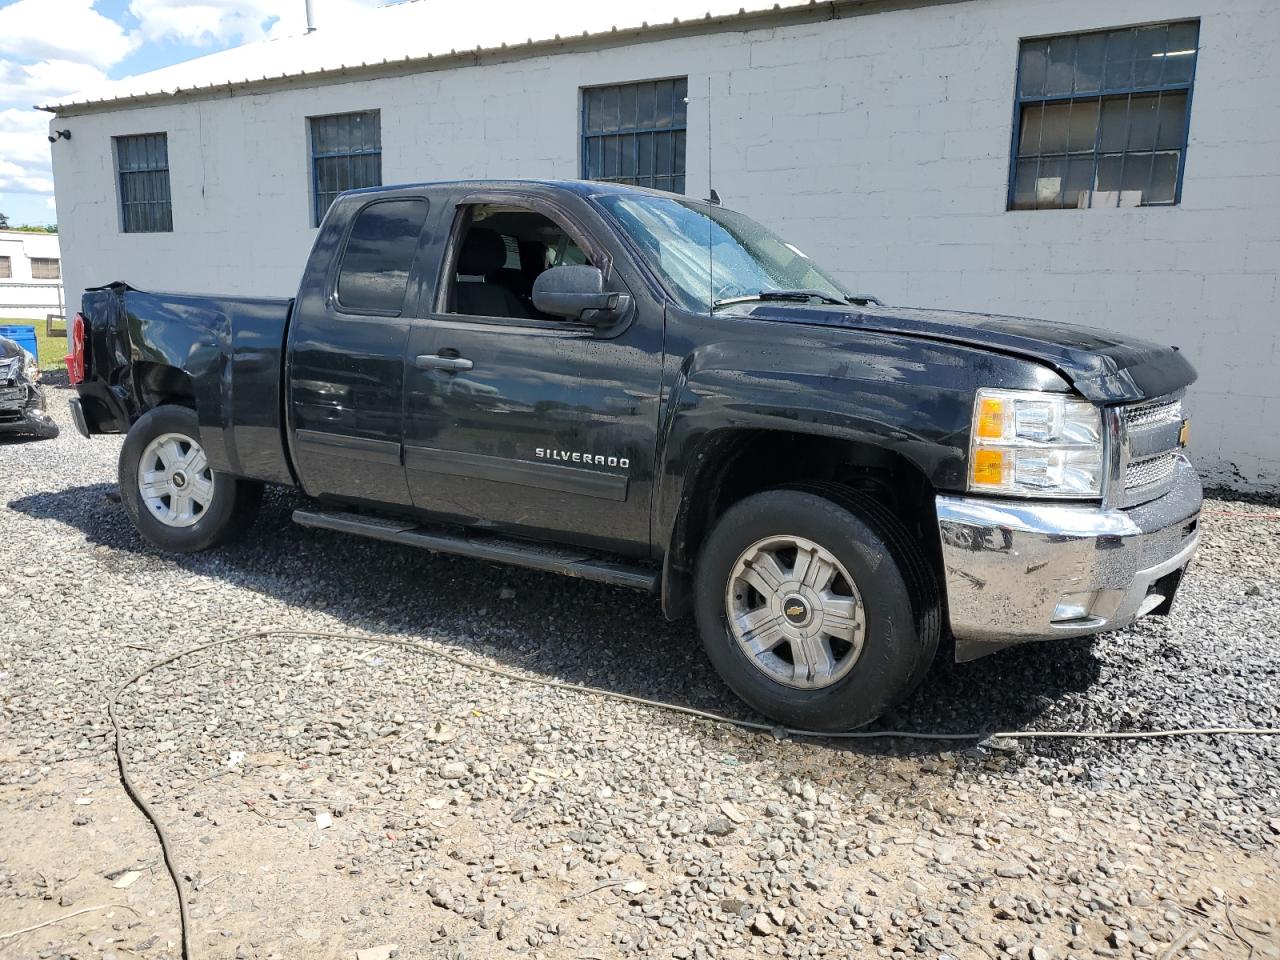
[(45, 268), (1101, 118), (142, 168), (346, 154), (635, 133), (6, 268)]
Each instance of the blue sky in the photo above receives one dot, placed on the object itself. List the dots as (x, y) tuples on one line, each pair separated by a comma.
[(52, 48), (154, 55)]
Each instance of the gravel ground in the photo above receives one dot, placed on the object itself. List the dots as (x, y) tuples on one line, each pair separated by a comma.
[(326, 797)]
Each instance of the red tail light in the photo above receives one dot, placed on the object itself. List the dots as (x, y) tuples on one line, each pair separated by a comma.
[(75, 359)]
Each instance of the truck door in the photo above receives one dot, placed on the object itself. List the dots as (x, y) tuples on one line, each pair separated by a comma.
[(523, 422), (346, 353)]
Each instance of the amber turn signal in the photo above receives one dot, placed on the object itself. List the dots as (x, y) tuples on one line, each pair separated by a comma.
[(988, 468), (991, 418)]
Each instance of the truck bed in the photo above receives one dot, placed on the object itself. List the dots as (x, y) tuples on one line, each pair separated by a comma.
[(225, 354)]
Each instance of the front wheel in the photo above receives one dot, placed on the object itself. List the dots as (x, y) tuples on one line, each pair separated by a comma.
[(174, 498), (816, 607)]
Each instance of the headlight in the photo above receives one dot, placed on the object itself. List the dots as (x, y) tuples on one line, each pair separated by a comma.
[(1032, 444)]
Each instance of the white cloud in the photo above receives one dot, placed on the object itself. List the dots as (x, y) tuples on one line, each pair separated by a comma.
[(205, 22), (24, 152), (32, 84), (209, 22), (62, 30), (15, 179)]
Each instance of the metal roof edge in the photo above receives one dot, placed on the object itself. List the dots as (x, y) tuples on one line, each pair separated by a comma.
[(807, 12)]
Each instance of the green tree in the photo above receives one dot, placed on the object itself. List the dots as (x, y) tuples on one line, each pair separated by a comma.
[(4, 221)]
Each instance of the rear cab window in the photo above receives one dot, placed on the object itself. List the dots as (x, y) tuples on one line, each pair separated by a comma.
[(373, 275)]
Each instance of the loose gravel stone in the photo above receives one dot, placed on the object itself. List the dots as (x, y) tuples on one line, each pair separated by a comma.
[(470, 815)]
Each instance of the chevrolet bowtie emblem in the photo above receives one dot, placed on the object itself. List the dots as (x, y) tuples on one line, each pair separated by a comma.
[(795, 611)]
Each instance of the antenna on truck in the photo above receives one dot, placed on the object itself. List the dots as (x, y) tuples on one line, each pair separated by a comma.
[(713, 198)]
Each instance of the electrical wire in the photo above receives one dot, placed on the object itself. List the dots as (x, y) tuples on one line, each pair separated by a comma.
[(1240, 514), (441, 654)]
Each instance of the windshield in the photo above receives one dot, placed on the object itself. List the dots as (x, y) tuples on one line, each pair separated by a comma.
[(745, 258)]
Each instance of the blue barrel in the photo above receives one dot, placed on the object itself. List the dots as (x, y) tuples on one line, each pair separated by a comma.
[(25, 337)]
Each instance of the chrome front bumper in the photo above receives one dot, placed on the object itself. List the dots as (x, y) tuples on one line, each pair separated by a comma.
[(1009, 564)]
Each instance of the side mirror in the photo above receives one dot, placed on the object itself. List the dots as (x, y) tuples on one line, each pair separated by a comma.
[(577, 292)]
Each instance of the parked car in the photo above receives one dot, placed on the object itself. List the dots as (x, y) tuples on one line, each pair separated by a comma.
[(22, 404), (659, 393)]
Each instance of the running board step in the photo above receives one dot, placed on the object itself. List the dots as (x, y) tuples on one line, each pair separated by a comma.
[(481, 546)]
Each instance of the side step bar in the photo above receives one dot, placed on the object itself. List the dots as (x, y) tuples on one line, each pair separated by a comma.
[(481, 546)]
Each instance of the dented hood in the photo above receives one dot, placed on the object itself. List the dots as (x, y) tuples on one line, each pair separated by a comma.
[(1105, 367)]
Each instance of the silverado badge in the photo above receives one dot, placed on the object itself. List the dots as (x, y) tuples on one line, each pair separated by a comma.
[(577, 456)]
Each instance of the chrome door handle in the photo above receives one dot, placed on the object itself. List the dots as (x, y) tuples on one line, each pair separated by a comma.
[(433, 361)]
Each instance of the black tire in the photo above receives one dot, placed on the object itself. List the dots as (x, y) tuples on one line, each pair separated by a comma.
[(231, 510), (900, 600)]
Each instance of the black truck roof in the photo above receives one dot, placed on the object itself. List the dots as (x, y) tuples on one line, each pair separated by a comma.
[(583, 188)]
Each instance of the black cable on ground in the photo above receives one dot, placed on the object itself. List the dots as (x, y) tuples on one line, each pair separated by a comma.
[(441, 654)]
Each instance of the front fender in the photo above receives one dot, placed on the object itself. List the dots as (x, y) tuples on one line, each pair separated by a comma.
[(910, 397)]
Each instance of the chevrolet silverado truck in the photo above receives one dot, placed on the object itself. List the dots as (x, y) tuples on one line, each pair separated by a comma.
[(655, 392)]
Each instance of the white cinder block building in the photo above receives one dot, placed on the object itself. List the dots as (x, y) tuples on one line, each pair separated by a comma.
[(30, 276), (1113, 162)]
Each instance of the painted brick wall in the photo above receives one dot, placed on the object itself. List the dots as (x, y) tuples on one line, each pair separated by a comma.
[(879, 143)]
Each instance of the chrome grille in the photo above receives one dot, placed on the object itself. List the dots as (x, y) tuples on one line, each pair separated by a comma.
[(1148, 458), (1160, 411), (1145, 473)]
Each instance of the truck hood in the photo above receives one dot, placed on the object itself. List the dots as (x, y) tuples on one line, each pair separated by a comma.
[(1105, 367)]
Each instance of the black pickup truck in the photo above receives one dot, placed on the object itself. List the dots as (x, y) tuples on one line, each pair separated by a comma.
[(659, 393)]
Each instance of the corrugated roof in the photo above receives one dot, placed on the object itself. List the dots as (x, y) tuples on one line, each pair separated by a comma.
[(415, 33)]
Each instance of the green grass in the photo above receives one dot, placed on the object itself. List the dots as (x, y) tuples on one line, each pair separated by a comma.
[(50, 349)]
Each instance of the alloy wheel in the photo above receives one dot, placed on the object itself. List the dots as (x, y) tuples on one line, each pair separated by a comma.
[(175, 480), (795, 612)]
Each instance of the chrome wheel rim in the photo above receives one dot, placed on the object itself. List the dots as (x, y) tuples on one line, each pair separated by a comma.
[(174, 480), (795, 612)]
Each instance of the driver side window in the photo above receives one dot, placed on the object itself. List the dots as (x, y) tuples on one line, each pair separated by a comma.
[(501, 252)]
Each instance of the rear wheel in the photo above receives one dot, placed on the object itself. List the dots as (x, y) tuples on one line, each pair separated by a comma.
[(816, 607), (175, 499)]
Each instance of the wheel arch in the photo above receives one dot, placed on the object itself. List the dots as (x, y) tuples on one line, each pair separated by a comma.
[(731, 464), (156, 384)]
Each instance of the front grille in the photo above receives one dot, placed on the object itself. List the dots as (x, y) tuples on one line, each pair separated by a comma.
[(1148, 472), (1156, 412), (1149, 455)]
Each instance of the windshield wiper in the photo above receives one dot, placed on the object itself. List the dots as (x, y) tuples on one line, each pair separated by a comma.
[(765, 295)]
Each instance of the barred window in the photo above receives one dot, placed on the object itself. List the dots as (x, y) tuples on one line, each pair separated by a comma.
[(45, 268), (346, 154), (142, 168), (635, 133), (6, 268), (1102, 117)]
